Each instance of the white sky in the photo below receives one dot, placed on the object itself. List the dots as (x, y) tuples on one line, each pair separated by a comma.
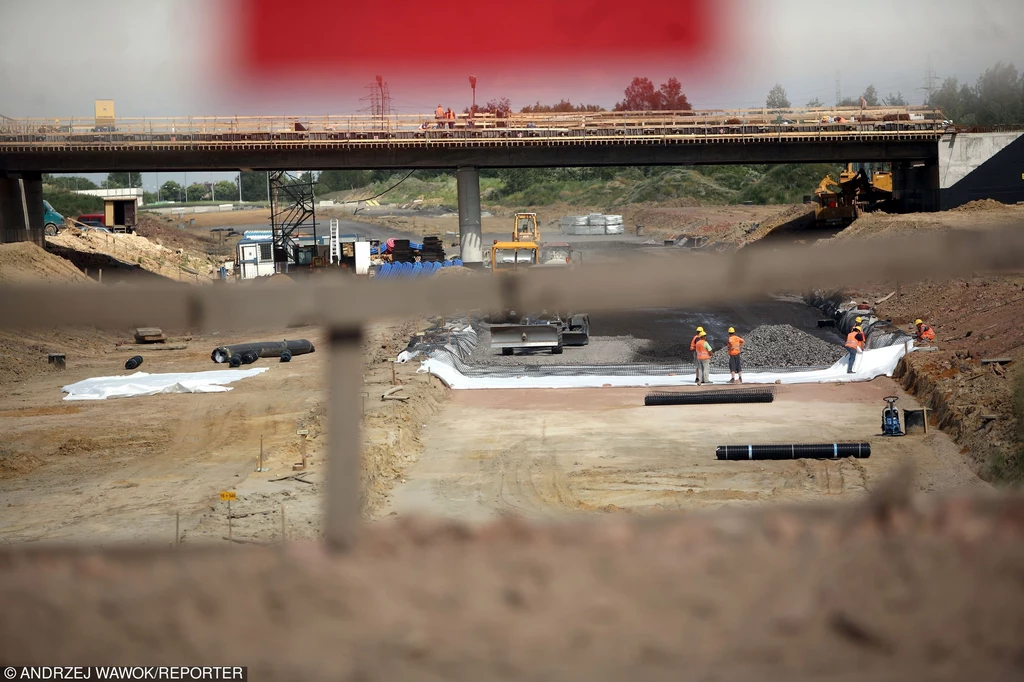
[(153, 57)]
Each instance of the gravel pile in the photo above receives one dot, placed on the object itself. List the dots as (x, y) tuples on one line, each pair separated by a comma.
[(767, 346), (780, 345)]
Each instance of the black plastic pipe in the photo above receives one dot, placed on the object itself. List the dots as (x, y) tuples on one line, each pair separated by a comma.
[(133, 362), (714, 397), (794, 451), (265, 349)]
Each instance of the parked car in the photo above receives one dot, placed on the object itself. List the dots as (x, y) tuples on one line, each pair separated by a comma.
[(52, 221)]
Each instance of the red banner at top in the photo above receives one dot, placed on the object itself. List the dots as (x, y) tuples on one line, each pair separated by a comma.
[(325, 36)]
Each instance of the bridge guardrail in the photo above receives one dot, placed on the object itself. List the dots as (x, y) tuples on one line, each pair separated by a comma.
[(648, 125)]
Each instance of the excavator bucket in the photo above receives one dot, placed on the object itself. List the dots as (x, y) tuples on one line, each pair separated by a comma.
[(509, 337)]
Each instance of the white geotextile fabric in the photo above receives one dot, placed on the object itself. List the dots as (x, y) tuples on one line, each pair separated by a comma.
[(141, 383), (870, 364)]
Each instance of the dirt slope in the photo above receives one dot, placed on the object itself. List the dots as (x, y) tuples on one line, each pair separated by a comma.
[(974, 318), (24, 262), (171, 262)]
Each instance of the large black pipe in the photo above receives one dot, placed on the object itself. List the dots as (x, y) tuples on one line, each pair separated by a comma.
[(794, 451), (265, 349), (714, 397)]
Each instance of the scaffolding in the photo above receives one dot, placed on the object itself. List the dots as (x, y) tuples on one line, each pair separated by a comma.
[(292, 215)]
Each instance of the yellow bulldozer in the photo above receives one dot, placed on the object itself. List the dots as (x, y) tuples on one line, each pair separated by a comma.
[(547, 330), (840, 203)]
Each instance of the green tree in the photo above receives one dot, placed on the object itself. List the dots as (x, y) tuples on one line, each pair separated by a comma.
[(123, 180), (69, 182), (172, 191), (777, 98), (254, 185), (815, 104), (894, 100), (564, 106), (870, 96), (196, 192), (999, 96), (847, 103), (226, 190), (340, 180)]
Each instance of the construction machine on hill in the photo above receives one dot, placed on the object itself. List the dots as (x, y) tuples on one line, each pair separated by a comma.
[(840, 203)]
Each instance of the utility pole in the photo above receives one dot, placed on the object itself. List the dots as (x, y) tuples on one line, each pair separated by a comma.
[(839, 93), (239, 186)]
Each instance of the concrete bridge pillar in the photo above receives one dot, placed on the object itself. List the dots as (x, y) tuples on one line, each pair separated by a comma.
[(915, 186), (468, 181), (21, 209)]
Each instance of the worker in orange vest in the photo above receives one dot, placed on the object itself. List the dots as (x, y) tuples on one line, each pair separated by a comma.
[(735, 346), (450, 115), (703, 352), (854, 345), (693, 349), (924, 331), (439, 116)]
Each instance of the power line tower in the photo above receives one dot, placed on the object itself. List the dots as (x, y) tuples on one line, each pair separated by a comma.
[(292, 214), (839, 92), (930, 79), (378, 104)]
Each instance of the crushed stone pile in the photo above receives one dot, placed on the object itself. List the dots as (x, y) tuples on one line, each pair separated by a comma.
[(781, 345)]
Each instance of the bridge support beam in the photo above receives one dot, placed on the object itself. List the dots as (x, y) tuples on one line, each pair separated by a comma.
[(21, 209), (915, 186), (468, 181)]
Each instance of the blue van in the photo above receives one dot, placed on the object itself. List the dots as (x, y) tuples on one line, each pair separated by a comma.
[(52, 221)]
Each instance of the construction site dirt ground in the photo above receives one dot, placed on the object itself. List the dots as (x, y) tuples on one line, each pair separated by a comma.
[(543, 454), (119, 470)]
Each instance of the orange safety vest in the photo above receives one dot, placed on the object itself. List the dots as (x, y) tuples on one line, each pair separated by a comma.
[(703, 350), (693, 342), (926, 332), (439, 112), (735, 344), (853, 342)]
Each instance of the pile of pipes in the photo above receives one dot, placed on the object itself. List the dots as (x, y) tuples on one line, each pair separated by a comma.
[(595, 223), (418, 269)]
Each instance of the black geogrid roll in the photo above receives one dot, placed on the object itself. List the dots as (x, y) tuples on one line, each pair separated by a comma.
[(794, 451), (714, 397)]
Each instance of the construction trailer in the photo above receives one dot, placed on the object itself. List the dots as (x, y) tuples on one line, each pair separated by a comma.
[(255, 254)]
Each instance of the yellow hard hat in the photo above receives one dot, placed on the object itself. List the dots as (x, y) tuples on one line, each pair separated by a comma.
[(857, 329), (700, 329), (918, 321), (703, 334), (732, 330), (859, 320)]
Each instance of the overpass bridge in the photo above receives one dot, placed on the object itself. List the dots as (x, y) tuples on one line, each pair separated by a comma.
[(905, 136)]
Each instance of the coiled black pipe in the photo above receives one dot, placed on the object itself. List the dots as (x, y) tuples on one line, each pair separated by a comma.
[(794, 451), (265, 349), (235, 360), (717, 397), (249, 357), (133, 362), (286, 356)]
